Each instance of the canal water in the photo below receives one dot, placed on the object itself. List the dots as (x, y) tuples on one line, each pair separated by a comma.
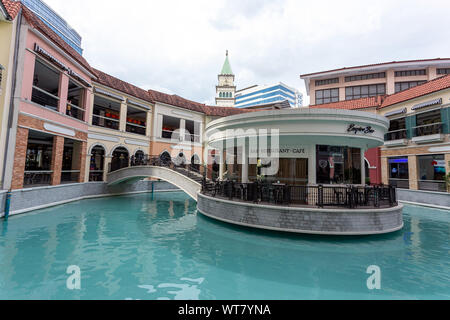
[(157, 247)]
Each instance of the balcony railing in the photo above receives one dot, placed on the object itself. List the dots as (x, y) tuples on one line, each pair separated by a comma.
[(37, 178), (75, 111), (135, 128), (314, 196), (105, 122), (192, 138), (396, 135), (428, 129), (399, 183), (44, 98), (96, 175), (166, 134), (70, 176), (433, 185)]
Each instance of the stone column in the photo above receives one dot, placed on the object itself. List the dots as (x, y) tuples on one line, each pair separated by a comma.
[(20, 156), (385, 170), (57, 157), (148, 131), (82, 149), (221, 164), (63, 92), (363, 167), (107, 162), (390, 82), (244, 178), (447, 168), (412, 167), (123, 117)]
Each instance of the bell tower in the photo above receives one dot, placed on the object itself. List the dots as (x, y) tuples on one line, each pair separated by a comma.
[(226, 90)]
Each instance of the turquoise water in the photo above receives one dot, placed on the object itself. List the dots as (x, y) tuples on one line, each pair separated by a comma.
[(157, 247)]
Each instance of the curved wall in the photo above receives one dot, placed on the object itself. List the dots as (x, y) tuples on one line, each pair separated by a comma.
[(303, 220)]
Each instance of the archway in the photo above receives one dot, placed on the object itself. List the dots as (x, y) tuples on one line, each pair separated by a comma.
[(138, 159), (97, 165), (165, 158), (120, 159), (195, 163), (180, 160), (367, 170)]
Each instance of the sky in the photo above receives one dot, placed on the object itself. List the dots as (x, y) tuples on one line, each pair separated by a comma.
[(178, 46)]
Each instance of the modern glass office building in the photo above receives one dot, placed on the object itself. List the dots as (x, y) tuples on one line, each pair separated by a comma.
[(258, 95), (56, 22)]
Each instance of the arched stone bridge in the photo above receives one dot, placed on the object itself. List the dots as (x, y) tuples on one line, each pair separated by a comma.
[(189, 182)]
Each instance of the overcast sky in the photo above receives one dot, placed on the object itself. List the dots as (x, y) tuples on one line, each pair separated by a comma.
[(178, 46)]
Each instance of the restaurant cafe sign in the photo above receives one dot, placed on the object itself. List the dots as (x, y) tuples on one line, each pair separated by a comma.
[(282, 151)]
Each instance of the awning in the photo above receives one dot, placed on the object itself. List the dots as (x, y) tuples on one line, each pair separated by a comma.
[(427, 104), (138, 104), (109, 94), (396, 112)]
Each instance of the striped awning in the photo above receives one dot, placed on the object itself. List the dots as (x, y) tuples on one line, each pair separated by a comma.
[(109, 94), (138, 104), (396, 112), (427, 104)]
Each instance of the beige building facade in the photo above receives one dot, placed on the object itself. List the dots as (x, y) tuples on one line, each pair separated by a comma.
[(371, 80)]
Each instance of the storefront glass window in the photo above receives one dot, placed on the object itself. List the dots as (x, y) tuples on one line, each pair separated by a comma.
[(338, 165), (399, 172), (432, 172)]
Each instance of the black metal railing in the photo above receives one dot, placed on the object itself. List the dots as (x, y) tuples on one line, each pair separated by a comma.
[(314, 196), (396, 135), (429, 129), (197, 172)]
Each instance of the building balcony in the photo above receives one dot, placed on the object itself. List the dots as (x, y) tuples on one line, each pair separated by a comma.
[(429, 133), (396, 138)]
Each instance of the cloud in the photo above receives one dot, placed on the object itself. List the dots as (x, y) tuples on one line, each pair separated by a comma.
[(179, 46)]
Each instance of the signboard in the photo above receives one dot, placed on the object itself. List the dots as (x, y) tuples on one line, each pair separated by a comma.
[(283, 152), (358, 129)]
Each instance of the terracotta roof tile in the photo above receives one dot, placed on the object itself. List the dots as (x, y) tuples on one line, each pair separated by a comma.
[(356, 104), (373, 65), (418, 91), (12, 7), (37, 23), (125, 87), (156, 96)]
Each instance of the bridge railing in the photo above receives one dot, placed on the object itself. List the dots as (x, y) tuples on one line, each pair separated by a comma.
[(194, 171), (347, 196)]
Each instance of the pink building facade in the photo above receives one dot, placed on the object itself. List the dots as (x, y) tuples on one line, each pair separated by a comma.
[(51, 109)]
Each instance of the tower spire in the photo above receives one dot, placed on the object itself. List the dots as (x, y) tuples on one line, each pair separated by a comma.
[(226, 69)]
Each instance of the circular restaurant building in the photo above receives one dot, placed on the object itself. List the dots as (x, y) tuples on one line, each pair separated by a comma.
[(299, 170)]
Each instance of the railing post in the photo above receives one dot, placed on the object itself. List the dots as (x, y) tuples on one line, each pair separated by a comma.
[(7, 204), (320, 195)]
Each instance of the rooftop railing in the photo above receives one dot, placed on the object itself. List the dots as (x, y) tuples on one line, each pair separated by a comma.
[(351, 197)]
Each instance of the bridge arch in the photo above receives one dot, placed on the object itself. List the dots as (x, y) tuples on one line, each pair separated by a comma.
[(191, 185)]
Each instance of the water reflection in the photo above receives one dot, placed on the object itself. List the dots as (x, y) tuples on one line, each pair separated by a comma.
[(157, 247)]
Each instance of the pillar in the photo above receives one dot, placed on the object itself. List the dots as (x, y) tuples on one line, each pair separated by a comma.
[(385, 170), (447, 168), (244, 178), (123, 117), (63, 92), (363, 167), (148, 129), (57, 157), (221, 164), (412, 167), (107, 162), (20, 156), (82, 148)]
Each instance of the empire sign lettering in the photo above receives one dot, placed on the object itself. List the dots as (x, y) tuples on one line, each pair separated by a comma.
[(358, 129)]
